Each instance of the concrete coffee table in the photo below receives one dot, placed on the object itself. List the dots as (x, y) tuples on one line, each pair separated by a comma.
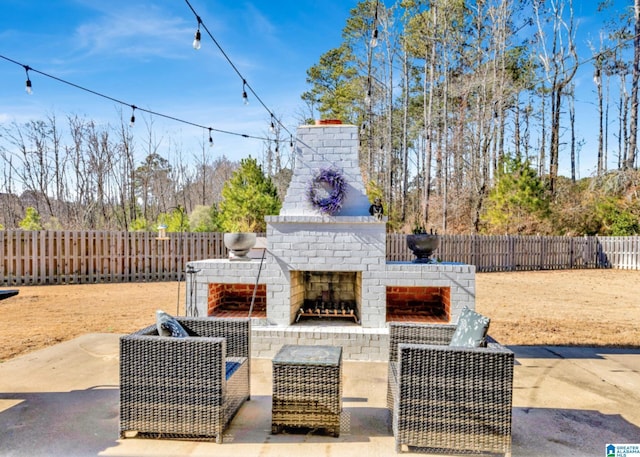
[(307, 388)]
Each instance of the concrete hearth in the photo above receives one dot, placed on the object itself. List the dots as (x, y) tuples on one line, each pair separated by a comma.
[(347, 248)]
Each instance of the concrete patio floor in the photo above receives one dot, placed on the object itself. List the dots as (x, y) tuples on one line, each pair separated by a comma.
[(63, 401)]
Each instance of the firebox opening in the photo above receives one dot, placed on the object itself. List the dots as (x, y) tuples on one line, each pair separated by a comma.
[(322, 295), (234, 300), (418, 304)]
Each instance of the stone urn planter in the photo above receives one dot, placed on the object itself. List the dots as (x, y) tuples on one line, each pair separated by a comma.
[(239, 244), (423, 245)]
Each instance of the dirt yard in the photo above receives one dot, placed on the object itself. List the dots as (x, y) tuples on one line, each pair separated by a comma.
[(575, 307)]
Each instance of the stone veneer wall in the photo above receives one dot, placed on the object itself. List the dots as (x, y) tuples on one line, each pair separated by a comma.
[(460, 278), (358, 342), (305, 243), (323, 147)]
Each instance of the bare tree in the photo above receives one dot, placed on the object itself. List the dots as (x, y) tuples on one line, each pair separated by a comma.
[(560, 63), (635, 76)]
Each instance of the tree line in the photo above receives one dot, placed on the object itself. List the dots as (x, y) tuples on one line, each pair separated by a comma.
[(465, 109), (448, 93), (92, 181)]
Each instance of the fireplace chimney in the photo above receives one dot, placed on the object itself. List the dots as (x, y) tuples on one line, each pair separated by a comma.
[(329, 145)]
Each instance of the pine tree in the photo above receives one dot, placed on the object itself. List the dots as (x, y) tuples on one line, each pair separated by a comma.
[(31, 220), (519, 202), (248, 197)]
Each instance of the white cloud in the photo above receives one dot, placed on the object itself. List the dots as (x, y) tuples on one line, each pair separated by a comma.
[(135, 31)]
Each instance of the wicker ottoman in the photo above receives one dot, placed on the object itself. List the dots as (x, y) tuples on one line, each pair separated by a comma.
[(307, 388)]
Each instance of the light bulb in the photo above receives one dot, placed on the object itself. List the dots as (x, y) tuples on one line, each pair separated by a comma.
[(374, 38), (245, 98), (210, 139), (28, 83), (196, 40), (132, 121), (272, 127)]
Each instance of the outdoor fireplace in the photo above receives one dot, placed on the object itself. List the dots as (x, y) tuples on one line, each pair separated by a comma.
[(326, 255)]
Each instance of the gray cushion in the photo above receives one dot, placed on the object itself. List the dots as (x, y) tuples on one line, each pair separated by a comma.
[(471, 330), (168, 326)]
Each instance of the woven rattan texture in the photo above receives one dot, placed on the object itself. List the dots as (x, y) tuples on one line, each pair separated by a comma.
[(177, 387), (307, 396), (449, 399)]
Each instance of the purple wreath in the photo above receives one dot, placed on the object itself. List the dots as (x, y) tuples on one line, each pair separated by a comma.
[(327, 201)]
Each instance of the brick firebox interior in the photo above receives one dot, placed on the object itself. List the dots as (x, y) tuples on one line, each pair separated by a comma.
[(418, 304), (234, 300), (415, 304)]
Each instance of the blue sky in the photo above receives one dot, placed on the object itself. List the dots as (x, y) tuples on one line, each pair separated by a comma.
[(139, 51)]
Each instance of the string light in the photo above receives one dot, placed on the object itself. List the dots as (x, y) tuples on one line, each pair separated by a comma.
[(196, 39), (132, 122), (291, 143), (272, 126), (374, 36), (28, 87), (245, 97), (123, 103), (210, 138), (245, 84)]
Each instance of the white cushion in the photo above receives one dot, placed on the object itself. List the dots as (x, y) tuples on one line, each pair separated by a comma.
[(471, 330), (168, 326)]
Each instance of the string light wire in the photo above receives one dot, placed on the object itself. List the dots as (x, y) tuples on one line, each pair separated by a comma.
[(123, 103), (197, 39), (245, 84)]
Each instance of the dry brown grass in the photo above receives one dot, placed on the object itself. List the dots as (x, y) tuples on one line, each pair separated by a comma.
[(573, 307), (564, 307)]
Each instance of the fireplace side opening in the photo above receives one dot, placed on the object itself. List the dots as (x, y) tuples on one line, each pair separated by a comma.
[(419, 304), (234, 300), (325, 296)]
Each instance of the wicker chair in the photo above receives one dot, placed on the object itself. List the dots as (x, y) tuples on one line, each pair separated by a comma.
[(184, 387), (446, 399)]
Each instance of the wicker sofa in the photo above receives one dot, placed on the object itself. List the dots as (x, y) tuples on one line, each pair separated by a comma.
[(445, 399), (184, 387)]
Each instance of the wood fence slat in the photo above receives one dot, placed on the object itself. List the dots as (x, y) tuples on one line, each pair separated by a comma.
[(12, 254)]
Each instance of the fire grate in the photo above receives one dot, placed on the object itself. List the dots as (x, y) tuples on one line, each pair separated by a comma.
[(331, 309)]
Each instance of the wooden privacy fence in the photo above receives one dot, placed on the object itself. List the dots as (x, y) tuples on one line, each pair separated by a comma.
[(510, 253), (68, 257)]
